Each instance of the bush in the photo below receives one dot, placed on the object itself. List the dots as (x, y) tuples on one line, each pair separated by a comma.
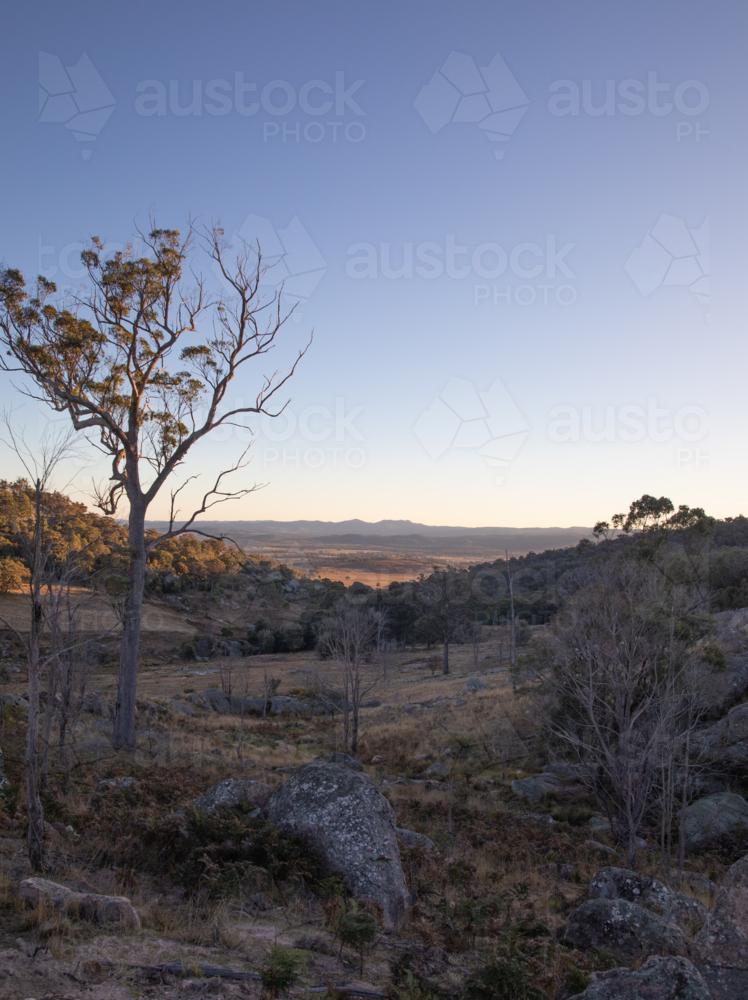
[(502, 980), (281, 971), (12, 575), (357, 929)]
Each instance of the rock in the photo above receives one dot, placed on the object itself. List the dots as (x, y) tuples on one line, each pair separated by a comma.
[(336, 757), (714, 815), (251, 706), (95, 653), (107, 784), (350, 826), (233, 794), (228, 647), (93, 703), (204, 647), (282, 703), (459, 701), (196, 699), (473, 685), (723, 941), (737, 721), (620, 883), (695, 885), (598, 825), (412, 839), (217, 700), (673, 978), (180, 708), (3, 780), (152, 708), (371, 703), (625, 929), (725, 984), (14, 701), (83, 905), (435, 772), (536, 786)]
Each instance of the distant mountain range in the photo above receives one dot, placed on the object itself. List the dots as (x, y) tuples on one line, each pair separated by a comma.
[(388, 527)]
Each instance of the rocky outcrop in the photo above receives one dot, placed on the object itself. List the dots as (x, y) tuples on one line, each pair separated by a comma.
[(412, 839), (721, 947), (672, 978), (723, 941), (712, 816), (233, 794), (350, 827), (620, 883), (180, 708), (336, 757), (473, 685), (80, 905), (627, 930), (215, 698)]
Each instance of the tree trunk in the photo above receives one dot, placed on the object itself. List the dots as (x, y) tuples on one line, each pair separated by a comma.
[(35, 835), (445, 660), (123, 736)]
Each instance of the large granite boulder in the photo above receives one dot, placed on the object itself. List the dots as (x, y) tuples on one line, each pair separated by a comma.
[(350, 826), (234, 794), (672, 978), (714, 815), (336, 757), (537, 785), (117, 910), (217, 700), (721, 947), (625, 929), (620, 883), (724, 940)]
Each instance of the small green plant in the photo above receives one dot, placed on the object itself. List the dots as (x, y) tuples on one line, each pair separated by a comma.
[(227, 631), (501, 980), (356, 929), (281, 971)]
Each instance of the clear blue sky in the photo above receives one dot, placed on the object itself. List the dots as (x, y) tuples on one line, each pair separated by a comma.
[(573, 269)]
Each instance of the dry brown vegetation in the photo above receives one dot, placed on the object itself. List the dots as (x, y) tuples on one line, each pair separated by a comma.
[(500, 881)]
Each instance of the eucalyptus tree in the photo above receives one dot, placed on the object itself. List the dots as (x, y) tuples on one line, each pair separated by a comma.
[(141, 361)]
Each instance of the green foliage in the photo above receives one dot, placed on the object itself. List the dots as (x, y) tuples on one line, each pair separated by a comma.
[(502, 980), (281, 971), (223, 852), (406, 983), (356, 929)]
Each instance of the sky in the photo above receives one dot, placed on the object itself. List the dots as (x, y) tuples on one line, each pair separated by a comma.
[(517, 230)]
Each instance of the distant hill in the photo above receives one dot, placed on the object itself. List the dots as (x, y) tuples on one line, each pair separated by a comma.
[(320, 529)]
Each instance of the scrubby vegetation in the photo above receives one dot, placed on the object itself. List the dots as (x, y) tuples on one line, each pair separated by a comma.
[(496, 874)]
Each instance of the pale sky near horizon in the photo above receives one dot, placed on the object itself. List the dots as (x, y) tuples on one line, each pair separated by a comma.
[(498, 218)]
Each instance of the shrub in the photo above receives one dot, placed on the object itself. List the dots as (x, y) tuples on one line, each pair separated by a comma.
[(281, 971), (357, 929), (502, 980)]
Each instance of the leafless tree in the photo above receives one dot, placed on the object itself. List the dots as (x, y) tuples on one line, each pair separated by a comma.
[(623, 689), (347, 637), (33, 540), (109, 363)]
